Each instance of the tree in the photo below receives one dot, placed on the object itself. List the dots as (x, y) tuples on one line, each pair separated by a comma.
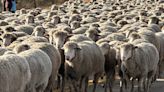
[(35, 4)]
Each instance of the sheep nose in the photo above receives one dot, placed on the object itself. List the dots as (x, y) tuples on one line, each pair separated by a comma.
[(5, 44), (123, 58), (67, 58)]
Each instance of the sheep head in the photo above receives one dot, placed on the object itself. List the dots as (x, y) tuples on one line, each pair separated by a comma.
[(126, 51), (8, 38)]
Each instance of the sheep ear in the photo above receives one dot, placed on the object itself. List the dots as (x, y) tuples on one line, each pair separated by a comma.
[(62, 48), (98, 35), (78, 48), (69, 35), (135, 47)]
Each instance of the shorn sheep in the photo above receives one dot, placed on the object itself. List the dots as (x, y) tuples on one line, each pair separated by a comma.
[(14, 73), (81, 61), (40, 67), (139, 61)]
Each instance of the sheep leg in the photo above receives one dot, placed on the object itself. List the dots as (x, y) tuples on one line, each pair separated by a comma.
[(75, 86), (123, 82), (132, 86), (62, 70), (111, 80), (121, 85), (145, 85), (95, 81), (81, 83), (105, 85), (58, 81), (63, 84), (151, 75), (140, 84), (42, 87), (32, 90), (86, 84), (110, 85)]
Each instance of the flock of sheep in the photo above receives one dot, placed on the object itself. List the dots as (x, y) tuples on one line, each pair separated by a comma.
[(71, 42)]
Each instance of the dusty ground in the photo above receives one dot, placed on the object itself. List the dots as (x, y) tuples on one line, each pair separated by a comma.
[(158, 86)]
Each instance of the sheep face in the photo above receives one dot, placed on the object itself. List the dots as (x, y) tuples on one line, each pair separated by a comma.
[(133, 37), (9, 29), (8, 39), (29, 19), (154, 20), (93, 34), (21, 48), (75, 25), (70, 49), (39, 31), (55, 19), (126, 51), (60, 38)]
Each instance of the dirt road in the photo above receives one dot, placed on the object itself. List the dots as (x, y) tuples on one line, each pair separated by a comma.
[(158, 86)]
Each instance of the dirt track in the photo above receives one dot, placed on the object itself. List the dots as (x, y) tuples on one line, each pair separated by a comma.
[(156, 87)]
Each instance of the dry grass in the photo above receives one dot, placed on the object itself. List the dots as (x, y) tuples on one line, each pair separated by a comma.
[(39, 3)]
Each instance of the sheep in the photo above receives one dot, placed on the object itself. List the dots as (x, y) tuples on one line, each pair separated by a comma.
[(116, 36), (133, 36), (110, 63), (154, 27), (19, 34), (10, 19), (8, 38), (89, 19), (33, 39), (40, 17), (39, 31), (149, 36), (80, 30), (92, 33), (53, 54), (108, 29), (59, 38), (40, 67), (68, 29), (139, 61), (75, 24), (8, 29), (52, 13), (23, 11), (15, 73), (29, 19), (160, 38), (104, 34), (11, 40), (102, 40), (3, 23), (25, 28), (2, 50), (153, 20), (86, 65), (55, 58), (79, 38), (54, 7), (55, 20)]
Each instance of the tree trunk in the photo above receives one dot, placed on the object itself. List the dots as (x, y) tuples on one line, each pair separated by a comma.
[(35, 4), (53, 1)]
